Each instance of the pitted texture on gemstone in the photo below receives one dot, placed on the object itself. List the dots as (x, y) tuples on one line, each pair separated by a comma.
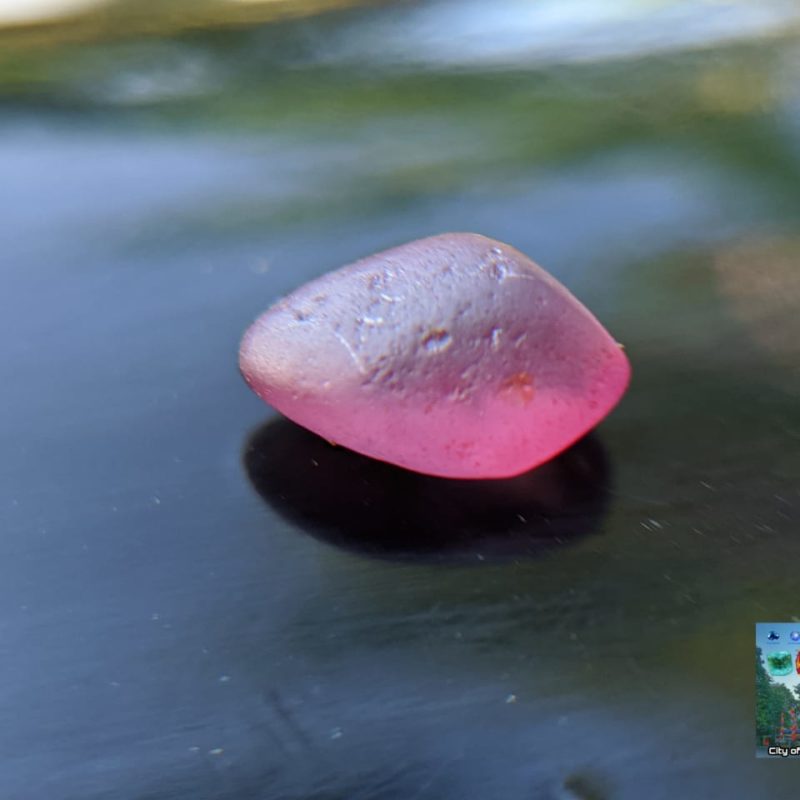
[(454, 355)]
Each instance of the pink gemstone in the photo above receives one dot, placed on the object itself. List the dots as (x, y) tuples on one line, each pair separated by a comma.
[(454, 355)]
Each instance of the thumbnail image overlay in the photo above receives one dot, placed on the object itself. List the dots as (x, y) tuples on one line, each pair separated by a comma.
[(778, 689)]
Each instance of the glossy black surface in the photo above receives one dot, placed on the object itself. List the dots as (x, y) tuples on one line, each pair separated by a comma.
[(192, 609)]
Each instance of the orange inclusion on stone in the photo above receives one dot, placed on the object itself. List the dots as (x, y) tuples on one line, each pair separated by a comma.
[(519, 387)]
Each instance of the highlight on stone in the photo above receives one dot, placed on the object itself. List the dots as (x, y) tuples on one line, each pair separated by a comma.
[(454, 355)]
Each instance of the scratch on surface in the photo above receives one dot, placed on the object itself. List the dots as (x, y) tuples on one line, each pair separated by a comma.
[(356, 360)]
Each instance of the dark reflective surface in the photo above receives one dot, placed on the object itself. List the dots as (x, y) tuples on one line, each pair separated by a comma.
[(374, 508), (165, 633)]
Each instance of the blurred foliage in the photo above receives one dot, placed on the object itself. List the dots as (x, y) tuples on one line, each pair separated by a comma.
[(420, 131), (122, 19)]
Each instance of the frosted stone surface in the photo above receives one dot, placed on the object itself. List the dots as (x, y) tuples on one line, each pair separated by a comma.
[(454, 355)]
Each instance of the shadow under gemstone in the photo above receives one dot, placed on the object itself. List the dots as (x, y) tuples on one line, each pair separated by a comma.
[(377, 509)]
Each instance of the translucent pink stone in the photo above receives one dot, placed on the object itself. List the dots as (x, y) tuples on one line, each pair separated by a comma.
[(454, 355)]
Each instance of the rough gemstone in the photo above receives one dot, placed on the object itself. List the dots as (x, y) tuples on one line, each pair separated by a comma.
[(454, 355)]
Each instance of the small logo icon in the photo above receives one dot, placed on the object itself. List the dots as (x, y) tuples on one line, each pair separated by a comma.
[(779, 663), (773, 636), (795, 636)]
